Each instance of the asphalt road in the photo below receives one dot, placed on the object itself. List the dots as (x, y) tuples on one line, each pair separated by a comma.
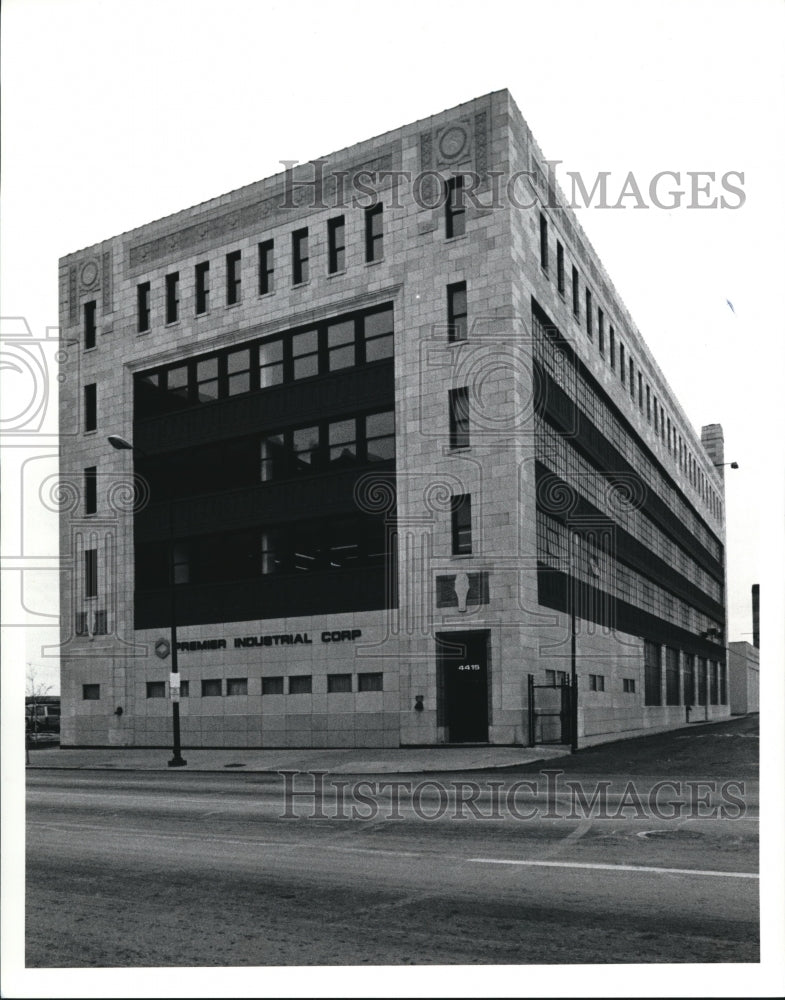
[(164, 869)]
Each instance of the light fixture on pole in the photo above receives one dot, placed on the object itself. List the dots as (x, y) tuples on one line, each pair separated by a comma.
[(177, 760)]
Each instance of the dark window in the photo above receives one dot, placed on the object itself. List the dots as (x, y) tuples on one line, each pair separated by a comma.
[(374, 233), (91, 692), (90, 490), (233, 277), (628, 684), (702, 681), (238, 372), (89, 325), (588, 314), (90, 407), (339, 683), (99, 623), (212, 689), (559, 268), (91, 573), (648, 403), (459, 418), (207, 380), (596, 682), (202, 287), (576, 299), (640, 390), (632, 379), (461, 513), (455, 210), (713, 682), (612, 346), (556, 677), (184, 689), (270, 363), (266, 267), (341, 442), (378, 335), (543, 242), (456, 311), (272, 685), (336, 244), (143, 307), (341, 351), (300, 684), (370, 682), (622, 365), (237, 685), (156, 689), (601, 330), (689, 679), (300, 256), (653, 674), (305, 354), (380, 436), (656, 416), (80, 623), (671, 676), (172, 297)]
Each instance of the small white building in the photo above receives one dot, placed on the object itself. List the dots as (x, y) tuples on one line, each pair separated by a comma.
[(744, 671)]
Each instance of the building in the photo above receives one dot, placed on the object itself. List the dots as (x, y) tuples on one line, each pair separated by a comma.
[(744, 673), (405, 455)]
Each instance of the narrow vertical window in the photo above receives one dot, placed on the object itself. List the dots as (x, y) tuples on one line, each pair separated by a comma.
[(640, 390), (90, 407), (622, 366), (374, 233), (648, 404), (90, 490), (588, 314), (233, 277), (455, 210), (612, 346), (336, 245), (91, 573), (266, 267), (172, 297), (601, 330), (461, 514), (202, 287), (456, 311), (459, 418), (300, 256), (559, 268), (656, 416), (89, 325), (543, 242), (576, 301), (143, 307), (632, 379)]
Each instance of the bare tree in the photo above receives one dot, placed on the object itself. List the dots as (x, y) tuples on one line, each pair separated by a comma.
[(36, 690)]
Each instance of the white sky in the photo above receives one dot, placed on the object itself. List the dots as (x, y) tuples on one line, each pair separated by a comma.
[(116, 113)]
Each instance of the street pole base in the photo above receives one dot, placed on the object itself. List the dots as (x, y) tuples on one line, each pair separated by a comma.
[(177, 761)]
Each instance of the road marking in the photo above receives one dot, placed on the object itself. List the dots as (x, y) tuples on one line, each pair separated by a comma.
[(612, 868)]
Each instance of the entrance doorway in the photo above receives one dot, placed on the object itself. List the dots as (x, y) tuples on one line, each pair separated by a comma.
[(462, 670)]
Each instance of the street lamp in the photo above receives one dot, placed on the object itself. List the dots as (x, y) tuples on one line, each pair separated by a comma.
[(177, 760), (720, 465)]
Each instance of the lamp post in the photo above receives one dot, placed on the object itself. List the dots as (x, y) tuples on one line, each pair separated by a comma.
[(177, 760)]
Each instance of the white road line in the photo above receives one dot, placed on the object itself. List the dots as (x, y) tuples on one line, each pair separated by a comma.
[(612, 868)]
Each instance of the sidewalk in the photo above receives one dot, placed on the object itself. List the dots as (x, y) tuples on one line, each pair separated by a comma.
[(368, 761)]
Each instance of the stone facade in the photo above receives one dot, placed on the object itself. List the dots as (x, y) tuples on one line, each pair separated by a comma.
[(497, 591)]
